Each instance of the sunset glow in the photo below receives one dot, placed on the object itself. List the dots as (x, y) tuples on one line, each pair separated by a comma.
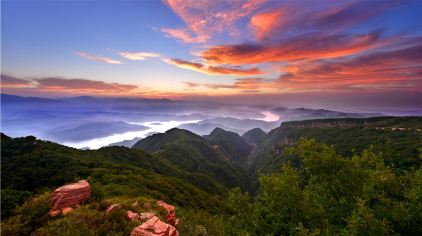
[(182, 49)]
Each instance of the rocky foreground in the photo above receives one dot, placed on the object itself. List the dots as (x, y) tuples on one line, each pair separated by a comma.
[(68, 197)]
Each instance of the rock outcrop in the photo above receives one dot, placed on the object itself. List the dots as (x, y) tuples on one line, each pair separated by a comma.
[(154, 227), (171, 213), (69, 196)]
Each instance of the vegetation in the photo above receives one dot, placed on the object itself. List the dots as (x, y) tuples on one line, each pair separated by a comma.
[(231, 144), (254, 136), (196, 154), (327, 194), (331, 177), (397, 139), (31, 166)]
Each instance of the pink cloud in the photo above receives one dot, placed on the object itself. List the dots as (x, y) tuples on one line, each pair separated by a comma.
[(204, 18), (97, 58), (183, 35), (58, 85), (138, 56), (13, 82)]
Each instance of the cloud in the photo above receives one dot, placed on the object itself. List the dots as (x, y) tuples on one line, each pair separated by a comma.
[(81, 86), (297, 17), (264, 24), (212, 70), (63, 86), (183, 35), (399, 69), (242, 84), (393, 70), (309, 46), (138, 55), (97, 58), (8, 81), (204, 18), (191, 85)]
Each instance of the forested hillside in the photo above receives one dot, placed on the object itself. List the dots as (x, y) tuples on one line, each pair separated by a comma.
[(319, 177), (398, 140), (196, 154)]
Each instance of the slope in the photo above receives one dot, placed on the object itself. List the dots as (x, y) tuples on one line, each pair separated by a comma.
[(195, 154), (399, 139)]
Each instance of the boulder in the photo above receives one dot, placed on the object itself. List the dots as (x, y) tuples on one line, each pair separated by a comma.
[(154, 227), (70, 195), (171, 213)]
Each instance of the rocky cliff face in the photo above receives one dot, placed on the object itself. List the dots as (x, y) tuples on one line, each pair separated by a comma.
[(67, 197)]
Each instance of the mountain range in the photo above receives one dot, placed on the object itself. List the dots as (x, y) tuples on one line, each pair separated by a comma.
[(194, 172), (92, 122)]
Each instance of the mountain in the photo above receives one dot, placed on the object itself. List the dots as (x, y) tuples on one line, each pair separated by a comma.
[(232, 145), (7, 98), (291, 114), (241, 126), (195, 154), (90, 130), (206, 128), (397, 138), (254, 136)]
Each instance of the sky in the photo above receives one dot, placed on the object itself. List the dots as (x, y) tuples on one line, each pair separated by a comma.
[(236, 50)]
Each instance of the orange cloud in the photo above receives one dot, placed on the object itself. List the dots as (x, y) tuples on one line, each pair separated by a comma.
[(138, 55), (212, 70), (264, 23), (398, 69), (310, 46), (97, 58)]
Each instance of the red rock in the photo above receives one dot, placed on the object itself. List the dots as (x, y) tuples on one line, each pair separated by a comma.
[(70, 195), (146, 216), (132, 215), (154, 227), (66, 210), (112, 207), (171, 213), (53, 213)]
